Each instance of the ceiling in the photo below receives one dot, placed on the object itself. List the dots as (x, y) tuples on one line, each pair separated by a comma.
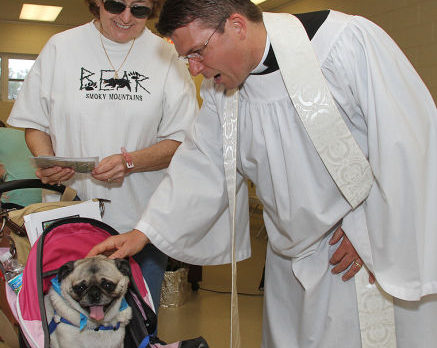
[(75, 12)]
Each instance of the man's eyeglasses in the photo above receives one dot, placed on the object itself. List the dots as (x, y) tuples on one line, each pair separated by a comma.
[(116, 7), (197, 54)]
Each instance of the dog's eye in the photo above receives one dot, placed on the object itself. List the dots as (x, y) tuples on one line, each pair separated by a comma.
[(80, 288), (107, 285)]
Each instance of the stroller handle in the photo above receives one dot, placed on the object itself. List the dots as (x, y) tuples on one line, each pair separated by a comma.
[(31, 183)]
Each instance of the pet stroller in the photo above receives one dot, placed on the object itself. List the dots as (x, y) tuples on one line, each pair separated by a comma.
[(13, 237), (68, 240)]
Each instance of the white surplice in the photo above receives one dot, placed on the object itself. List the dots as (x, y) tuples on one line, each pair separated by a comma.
[(392, 117)]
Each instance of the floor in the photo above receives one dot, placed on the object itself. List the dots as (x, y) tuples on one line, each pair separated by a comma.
[(207, 312)]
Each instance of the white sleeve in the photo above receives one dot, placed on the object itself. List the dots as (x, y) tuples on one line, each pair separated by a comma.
[(32, 107), (401, 119), (179, 102), (188, 215)]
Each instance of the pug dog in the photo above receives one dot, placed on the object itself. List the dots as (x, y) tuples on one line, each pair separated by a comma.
[(85, 306)]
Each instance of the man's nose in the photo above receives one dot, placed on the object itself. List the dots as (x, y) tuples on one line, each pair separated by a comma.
[(195, 67)]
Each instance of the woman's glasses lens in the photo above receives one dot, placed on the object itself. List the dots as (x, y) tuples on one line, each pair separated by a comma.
[(140, 11), (116, 7)]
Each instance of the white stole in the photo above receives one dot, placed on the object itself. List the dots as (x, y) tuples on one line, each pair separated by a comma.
[(230, 141), (310, 95)]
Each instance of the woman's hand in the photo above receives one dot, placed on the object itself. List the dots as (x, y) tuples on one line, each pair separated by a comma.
[(111, 169), (2, 173), (40, 144), (54, 175)]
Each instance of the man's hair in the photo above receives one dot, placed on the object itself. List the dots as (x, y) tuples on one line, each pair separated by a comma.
[(179, 13), (94, 9)]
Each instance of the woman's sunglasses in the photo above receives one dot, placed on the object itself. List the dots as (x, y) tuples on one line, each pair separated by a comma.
[(116, 7)]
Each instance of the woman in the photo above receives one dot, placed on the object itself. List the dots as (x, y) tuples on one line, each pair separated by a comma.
[(110, 88)]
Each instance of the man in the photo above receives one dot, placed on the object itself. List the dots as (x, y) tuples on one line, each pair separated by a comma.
[(354, 150)]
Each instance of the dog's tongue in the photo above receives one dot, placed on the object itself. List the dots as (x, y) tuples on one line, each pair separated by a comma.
[(96, 312)]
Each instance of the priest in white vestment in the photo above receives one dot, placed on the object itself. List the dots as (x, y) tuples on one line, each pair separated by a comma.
[(393, 120)]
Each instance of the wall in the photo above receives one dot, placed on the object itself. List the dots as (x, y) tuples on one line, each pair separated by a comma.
[(26, 38), (411, 23), (198, 81), (23, 38)]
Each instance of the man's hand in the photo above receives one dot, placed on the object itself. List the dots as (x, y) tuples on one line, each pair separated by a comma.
[(126, 244), (346, 257), (54, 175)]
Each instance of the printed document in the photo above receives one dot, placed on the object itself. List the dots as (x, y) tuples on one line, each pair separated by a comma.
[(35, 223), (80, 165)]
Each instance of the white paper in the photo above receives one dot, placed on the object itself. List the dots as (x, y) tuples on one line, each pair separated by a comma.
[(36, 222), (80, 165)]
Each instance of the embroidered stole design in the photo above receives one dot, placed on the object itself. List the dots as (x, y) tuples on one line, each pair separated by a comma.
[(310, 95), (230, 140), (375, 312)]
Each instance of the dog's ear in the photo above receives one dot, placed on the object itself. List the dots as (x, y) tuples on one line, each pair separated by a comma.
[(65, 270), (123, 266)]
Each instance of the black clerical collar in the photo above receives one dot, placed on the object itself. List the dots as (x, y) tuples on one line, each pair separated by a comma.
[(311, 21), (270, 63)]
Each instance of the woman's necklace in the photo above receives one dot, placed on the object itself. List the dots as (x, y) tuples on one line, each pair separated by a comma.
[(109, 59)]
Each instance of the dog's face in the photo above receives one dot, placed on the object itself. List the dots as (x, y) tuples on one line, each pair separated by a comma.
[(95, 283)]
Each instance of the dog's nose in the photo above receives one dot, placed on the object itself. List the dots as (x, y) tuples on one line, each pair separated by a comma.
[(94, 294)]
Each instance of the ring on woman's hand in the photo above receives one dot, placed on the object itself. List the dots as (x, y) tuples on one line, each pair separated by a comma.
[(357, 263), (109, 180)]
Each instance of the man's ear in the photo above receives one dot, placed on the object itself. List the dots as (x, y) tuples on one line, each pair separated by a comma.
[(238, 23), (65, 270)]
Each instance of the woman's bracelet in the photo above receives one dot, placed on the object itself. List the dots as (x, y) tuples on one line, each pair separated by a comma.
[(127, 158)]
